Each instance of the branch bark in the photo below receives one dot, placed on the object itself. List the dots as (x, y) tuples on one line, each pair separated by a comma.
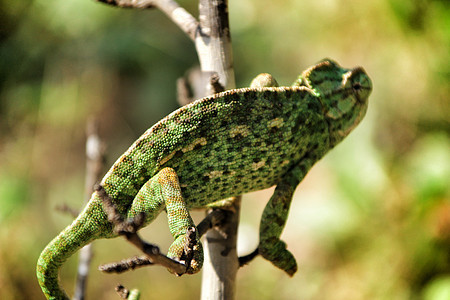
[(213, 44)]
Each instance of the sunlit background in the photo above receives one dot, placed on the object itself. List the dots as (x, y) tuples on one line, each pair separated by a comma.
[(370, 221)]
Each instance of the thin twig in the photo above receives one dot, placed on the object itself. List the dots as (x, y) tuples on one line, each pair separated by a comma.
[(129, 3), (95, 158), (66, 209), (127, 264), (124, 293)]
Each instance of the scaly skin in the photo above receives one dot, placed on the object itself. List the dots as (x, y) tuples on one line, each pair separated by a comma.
[(224, 145)]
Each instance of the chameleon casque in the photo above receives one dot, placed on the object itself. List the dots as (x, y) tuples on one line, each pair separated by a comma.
[(224, 145)]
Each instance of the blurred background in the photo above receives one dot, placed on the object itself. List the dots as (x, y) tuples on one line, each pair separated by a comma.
[(370, 221)]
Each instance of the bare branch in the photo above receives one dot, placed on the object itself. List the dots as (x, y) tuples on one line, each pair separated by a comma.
[(124, 293), (187, 23), (129, 3), (179, 16), (66, 209), (126, 264), (95, 158)]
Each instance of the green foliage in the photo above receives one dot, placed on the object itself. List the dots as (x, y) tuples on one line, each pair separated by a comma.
[(13, 196)]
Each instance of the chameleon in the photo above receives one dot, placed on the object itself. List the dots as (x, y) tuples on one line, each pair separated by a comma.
[(224, 145)]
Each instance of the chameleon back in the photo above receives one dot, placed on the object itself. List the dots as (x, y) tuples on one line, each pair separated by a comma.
[(229, 144)]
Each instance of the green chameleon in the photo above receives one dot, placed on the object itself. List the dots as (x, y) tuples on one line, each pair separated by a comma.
[(224, 145)]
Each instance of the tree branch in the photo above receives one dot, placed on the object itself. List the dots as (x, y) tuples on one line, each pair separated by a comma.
[(187, 23), (215, 55)]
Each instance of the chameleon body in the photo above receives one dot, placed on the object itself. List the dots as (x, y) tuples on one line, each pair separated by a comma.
[(224, 145)]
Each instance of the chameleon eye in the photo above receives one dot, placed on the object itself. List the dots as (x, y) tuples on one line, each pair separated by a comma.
[(357, 86)]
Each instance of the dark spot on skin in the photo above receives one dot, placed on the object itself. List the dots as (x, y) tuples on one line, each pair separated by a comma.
[(258, 119), (197, 146), (274, 130), (248, 144), (313, 146), (298, 123), (254, 177), (213, 140), (279, 221), (179, 154), (237, 137), (312, 106), (226, 172)]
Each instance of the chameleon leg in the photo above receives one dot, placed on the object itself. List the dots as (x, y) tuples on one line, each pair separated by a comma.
[(272, 223), (161, 190)]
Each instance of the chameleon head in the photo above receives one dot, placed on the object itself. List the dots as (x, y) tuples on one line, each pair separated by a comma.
[(342, 92)]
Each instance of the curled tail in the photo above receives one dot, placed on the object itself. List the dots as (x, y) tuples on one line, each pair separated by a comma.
[(91, 224)]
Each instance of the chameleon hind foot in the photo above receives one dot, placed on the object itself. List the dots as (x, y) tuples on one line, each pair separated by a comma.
[(243, 260), (280, 257)]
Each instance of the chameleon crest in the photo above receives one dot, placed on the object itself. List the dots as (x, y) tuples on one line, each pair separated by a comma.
[(223, 145)]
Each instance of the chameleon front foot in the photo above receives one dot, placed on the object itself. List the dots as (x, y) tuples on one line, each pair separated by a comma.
[(187, 249)]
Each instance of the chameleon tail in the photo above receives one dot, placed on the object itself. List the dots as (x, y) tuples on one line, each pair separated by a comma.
[(90, 224)]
